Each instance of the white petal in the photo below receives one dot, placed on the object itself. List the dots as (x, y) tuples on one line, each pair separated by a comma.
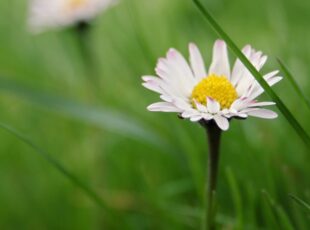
[(222, 122), (242, 115), (271, 75), (262, 62), (165, 72), (152, 83), (207, 116), (177, 57), (220, 62), (213, 106), (240, 103), (190, 113), (176, 82), (259, 90), (238, 68), (166, 98), (201, 108), (259, 104), (197, 62), (246, 79), (274, 80), (181, 103), (263, 113), (148, 77), (195, 118), (163, 107)]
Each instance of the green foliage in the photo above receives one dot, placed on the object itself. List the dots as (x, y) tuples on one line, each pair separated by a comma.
[(149, 168)]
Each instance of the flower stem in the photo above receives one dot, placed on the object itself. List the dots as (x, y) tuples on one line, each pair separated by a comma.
[(214, 138)]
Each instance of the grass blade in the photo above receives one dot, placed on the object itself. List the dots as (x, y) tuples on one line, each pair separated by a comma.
[(58, 166), (280, 217), (300, 202), (236, 197), (291, 79), (105, 118), (281, 106)]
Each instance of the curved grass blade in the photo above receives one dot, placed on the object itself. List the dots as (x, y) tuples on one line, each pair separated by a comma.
[(139, 34), (281, 106), (300, 202), (53, 162), (291, 79), (107, 119), (280, 217), (236, 197)]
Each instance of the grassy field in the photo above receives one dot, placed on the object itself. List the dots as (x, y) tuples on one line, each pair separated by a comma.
[(148, 168)]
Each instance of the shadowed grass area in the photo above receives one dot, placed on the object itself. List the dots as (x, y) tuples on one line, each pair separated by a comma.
[(151, 173)]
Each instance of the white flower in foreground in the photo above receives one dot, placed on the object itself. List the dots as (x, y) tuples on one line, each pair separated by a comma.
[(217, 94), (54, 13)]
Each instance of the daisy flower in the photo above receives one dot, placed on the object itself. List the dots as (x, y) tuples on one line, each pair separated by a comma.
[(57, 13), (218, 94)]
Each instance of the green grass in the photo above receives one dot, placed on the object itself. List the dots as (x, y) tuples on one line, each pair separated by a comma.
[(149, 168)]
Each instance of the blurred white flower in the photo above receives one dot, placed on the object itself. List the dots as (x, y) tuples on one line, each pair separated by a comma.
[(46, 14), (217, 94)]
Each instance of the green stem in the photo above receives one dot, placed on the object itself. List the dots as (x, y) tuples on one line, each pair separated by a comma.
[(214, 139)]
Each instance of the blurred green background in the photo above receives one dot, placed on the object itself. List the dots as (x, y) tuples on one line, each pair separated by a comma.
[(149, 168)]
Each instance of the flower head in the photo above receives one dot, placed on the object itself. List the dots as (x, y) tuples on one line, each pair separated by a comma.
[(217, 94), (54, 13)]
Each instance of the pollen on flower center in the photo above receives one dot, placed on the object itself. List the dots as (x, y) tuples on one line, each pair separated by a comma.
[(218, 88), (74, 4)]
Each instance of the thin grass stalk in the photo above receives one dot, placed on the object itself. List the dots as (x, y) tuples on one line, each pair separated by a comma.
[(59, 167), (300, 202), (106, 119), (281, 106), (271, 204), (236, 197), (139, 34), (292, 80)]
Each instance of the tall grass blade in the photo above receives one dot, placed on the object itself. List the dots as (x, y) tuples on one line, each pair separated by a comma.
[(104, 118), (281, 106), (236, 197), (279, 216), (139, 34), (58, 166), (300, 202), (291, 79)]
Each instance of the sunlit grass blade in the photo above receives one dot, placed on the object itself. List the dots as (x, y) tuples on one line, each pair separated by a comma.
[(281, 106), (292, 80), (300, 202), (236, 197), (279, 216), (107, 119), (139, 34), (58, 166)]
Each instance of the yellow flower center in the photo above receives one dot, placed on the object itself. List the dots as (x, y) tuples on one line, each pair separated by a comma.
[(74, 4), (216, 87)]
